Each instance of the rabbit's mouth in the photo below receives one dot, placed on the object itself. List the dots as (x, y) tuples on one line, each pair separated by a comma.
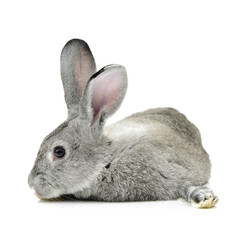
[(38, 196), (48, 198), (45, 194)]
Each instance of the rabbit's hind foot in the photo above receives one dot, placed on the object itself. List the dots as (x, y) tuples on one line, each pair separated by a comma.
[(202, 197)]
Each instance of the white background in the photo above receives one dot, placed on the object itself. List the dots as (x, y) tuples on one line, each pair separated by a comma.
[(183, 54)]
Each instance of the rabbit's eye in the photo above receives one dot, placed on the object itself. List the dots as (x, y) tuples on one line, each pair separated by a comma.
[(59, 152)]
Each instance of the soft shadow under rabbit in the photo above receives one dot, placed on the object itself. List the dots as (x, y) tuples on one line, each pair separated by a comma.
[(152, 155)]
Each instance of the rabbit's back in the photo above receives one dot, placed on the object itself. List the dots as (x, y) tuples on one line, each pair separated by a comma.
[(159, 126), (164, 126), (173, 119)]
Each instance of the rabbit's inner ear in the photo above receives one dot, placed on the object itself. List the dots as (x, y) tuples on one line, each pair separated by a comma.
[(105, 93), (81, 75), (109, 88)]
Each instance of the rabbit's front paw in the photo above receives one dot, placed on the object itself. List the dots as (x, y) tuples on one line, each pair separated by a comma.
[(203, 197)]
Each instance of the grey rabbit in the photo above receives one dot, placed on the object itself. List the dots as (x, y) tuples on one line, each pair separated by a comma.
[(152, 155)]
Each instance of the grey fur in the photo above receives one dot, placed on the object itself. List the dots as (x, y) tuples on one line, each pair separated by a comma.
[(152, 155), (77, 52)]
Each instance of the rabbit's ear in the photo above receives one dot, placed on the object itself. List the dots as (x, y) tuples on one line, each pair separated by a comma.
[(77, 66), (104, 93)]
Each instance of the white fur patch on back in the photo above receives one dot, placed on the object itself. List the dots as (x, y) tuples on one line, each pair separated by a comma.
[(126, 130)]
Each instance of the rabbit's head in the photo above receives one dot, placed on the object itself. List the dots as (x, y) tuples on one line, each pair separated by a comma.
[(71, 157)]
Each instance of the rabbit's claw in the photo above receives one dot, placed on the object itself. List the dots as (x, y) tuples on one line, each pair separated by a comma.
[(203, 197)]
